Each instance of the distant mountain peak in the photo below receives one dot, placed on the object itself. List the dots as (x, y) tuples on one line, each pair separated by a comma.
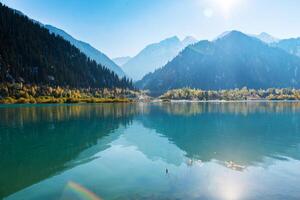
[(264, 34), (155, 56), (189, 40), (233, 33), (228, 34), (234, 60), (174, 37), (234, 37), (267, 38), (170, 40)]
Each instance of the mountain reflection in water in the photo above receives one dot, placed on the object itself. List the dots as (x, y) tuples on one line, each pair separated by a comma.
[(122, 151)]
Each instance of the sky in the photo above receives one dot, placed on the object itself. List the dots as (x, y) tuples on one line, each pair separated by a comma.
[(124, 27)]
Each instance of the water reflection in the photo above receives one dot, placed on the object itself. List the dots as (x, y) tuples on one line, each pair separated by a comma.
[(245, 133), (241, 108), (122, 151), (39, 141)]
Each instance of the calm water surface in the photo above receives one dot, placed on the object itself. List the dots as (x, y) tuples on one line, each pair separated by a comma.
[(216, 151)]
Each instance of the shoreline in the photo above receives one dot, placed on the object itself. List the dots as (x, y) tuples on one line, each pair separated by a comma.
[(127, 100), (52, 100), (225, 101)]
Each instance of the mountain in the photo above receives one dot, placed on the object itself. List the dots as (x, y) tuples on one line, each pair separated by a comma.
[(267, 38), (291, 46), (88, 50), (30, 53), (188, 40), (235, 60), (121, 60), (155, 56), (84, 47)]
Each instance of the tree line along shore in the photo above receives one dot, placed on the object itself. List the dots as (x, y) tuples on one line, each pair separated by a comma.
[(19, 93), (232, 94)]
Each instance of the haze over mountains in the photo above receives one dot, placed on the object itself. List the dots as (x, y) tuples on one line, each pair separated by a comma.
[(155, 56), (291, 45), (267, 38), (122, 60), (88, 50), (29, 53), (234, 60)]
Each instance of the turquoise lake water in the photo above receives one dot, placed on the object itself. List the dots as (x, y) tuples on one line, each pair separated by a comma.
[(219, 151)]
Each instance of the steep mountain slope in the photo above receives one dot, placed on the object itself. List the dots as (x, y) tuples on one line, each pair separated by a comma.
[(291, 46), (235, 60), (29, 53), (155, 56), (88, 50), (121, 60)]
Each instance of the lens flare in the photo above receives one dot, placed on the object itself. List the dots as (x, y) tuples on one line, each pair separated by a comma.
[(82, 192)]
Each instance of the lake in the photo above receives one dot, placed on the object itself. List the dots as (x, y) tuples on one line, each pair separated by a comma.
[(221, 151)]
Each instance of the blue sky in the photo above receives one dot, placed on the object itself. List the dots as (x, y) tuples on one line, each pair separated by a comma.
[(124, 27)]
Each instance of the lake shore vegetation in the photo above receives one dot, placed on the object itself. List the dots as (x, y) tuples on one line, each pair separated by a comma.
[(18, 93), (243, 94)]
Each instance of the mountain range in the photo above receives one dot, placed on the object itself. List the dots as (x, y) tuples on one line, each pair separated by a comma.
[(84, 47), (29, 53), (88, 50), (234, 60), (155, 56), (32, 52)]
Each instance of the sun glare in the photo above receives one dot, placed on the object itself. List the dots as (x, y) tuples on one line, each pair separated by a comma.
[(224, 7), (231, 189), (227, 5)]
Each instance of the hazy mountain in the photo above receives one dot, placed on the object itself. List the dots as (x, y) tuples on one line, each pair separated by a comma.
[(291, 46), (31, 54), (90, 51), (155, 56), (264, 37), (188, 40), (121, 60), (267, 38), (234, 60), (222, 35)]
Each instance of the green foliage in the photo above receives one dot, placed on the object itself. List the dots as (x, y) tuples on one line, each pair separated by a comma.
[(30, 54), (25, 93), (232, 95)]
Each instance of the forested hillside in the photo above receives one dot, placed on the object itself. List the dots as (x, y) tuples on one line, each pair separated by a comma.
[(88, 50), (30, 54), (234, 60)]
